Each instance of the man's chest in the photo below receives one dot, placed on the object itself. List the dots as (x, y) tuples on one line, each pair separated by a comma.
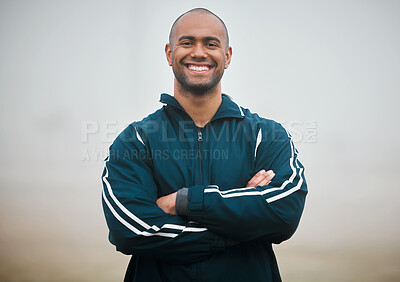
[(217, 156)]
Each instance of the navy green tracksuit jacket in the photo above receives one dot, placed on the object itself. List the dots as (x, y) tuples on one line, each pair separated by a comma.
[(229, 229)]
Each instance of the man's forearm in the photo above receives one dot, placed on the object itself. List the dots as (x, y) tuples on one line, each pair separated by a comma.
[(181, 204), (167, 203)]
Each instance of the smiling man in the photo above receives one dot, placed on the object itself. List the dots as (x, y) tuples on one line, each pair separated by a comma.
[(202, 188), (198, 53)]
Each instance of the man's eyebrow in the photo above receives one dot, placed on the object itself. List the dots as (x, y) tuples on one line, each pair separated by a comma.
[(183, 37), (212, 38), (207, 38)]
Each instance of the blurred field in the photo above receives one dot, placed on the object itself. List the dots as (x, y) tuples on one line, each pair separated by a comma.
[(59, 234), (55, 234), (311, 263)]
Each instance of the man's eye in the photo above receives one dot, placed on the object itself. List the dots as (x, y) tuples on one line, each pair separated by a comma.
[(186, 43), (211, 44)]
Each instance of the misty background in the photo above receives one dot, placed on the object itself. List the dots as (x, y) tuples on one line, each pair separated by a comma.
[(73, 74)]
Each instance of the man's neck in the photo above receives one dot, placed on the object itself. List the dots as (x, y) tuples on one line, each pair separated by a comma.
[(201, 108)]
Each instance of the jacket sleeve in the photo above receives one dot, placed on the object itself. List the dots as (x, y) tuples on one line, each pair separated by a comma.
[(270, 212), (137, 225)]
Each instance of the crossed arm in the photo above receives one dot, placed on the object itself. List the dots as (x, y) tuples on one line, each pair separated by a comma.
[(167, 203), (268, 209)]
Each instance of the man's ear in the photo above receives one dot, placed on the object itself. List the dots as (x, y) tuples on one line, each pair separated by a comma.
[(228, 56), (168, 53)]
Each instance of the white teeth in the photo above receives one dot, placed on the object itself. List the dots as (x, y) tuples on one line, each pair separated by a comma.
[(198, 68)]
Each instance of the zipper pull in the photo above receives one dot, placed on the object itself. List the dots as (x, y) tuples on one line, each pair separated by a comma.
[(199, 136)]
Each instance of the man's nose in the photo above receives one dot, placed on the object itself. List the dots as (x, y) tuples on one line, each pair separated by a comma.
[(199, 51)]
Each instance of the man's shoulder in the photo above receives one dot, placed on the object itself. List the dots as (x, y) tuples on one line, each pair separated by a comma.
[(148, 123), (153, 118), (266, 128), (259, 121)]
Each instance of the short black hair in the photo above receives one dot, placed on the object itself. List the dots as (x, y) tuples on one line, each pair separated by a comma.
[(200, 11)]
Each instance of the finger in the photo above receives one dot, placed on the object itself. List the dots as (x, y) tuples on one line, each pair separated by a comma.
[(266, 180), (261, 178), (256, 178)]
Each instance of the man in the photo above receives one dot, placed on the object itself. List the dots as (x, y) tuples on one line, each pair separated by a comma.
[(200, 189)]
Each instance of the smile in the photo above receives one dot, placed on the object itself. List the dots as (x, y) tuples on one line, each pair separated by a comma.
[(198, 68)]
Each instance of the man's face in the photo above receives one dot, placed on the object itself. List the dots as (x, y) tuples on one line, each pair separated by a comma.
[(198, 53)]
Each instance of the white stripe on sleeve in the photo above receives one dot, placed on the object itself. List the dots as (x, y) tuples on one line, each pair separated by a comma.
[(259, 138), (139, 137), (136, 219), (240, 192)]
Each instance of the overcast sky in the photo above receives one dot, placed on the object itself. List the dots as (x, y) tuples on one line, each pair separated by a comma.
[(74, 73)]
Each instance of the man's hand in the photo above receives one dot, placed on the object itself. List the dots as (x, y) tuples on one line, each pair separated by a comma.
[(167, 203), (261, 178)]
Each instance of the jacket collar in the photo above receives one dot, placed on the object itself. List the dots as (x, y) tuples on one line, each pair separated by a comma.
[(227, 109)]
